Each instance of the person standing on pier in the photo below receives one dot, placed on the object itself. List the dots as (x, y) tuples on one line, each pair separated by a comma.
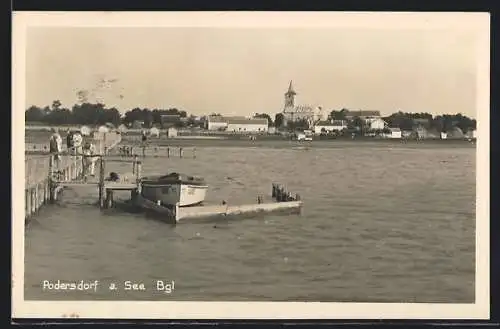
[(88, 159), (69, 141), (55, 146), (77, 143)]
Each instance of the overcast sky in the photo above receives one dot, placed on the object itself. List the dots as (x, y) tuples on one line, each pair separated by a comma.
[(244, 71)]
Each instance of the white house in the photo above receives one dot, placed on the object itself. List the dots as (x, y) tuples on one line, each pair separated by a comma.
[(154, 132), (215, 122), (329, 126), (247, 124), (395, 133), (376, 123), (171, 132)]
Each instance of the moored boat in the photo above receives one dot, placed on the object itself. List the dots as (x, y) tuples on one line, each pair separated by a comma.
[(174, 188)]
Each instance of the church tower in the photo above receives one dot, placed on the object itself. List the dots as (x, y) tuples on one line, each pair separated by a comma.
[(289, 109), (290, 98)]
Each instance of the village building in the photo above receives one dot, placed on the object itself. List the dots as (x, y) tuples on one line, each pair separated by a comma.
[(154, 132), (471, 134), (363, 115), (293, 113), (395, 133), (236, 124), (172, 132), (329, 126), (215, 123), (376, 123)]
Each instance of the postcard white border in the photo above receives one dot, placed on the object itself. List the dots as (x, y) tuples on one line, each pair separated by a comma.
[(479, 22)]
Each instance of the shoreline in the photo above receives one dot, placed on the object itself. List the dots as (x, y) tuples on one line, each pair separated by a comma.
[(273, 141)]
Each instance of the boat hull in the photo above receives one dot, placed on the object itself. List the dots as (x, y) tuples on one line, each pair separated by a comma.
[(171, 194)]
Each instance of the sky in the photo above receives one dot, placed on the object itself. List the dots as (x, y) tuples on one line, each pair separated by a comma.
[(242, 71)]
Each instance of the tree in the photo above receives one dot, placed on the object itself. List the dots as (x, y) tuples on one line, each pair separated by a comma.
[(59, 116), (133, 115), (278, 120), (56, 105), (264, 116), (302, 124), (338, 115), (34, 114)]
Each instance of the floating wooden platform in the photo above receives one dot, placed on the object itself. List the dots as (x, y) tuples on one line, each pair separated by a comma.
[(178, 214)]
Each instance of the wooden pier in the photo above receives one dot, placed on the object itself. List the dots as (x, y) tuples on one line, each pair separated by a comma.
[(69, 172), (44, 171)]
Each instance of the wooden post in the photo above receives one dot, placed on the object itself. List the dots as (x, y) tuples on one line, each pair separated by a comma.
[(180, 152), (32, 200), (27, 197), (133, 196), (45, 190), (176, 212), (51, 178), (101, 182), (134, 165), (273, 193), (71, 168), (282, 193), (168, 152), (109, 198), (37, 197), (144, 151), (138, 172)]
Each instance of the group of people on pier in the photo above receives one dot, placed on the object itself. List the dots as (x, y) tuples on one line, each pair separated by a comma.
[(75, 147)]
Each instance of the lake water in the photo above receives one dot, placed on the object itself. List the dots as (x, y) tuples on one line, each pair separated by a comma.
[(386, 223)]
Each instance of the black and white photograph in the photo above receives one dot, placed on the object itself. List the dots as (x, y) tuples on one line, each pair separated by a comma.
[(251, 165)]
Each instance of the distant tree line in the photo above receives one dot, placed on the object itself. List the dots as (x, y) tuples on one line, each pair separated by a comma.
[(98, 114), (407, 121)]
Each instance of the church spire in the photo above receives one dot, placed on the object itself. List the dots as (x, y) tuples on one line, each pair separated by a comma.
[(290, 89)]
